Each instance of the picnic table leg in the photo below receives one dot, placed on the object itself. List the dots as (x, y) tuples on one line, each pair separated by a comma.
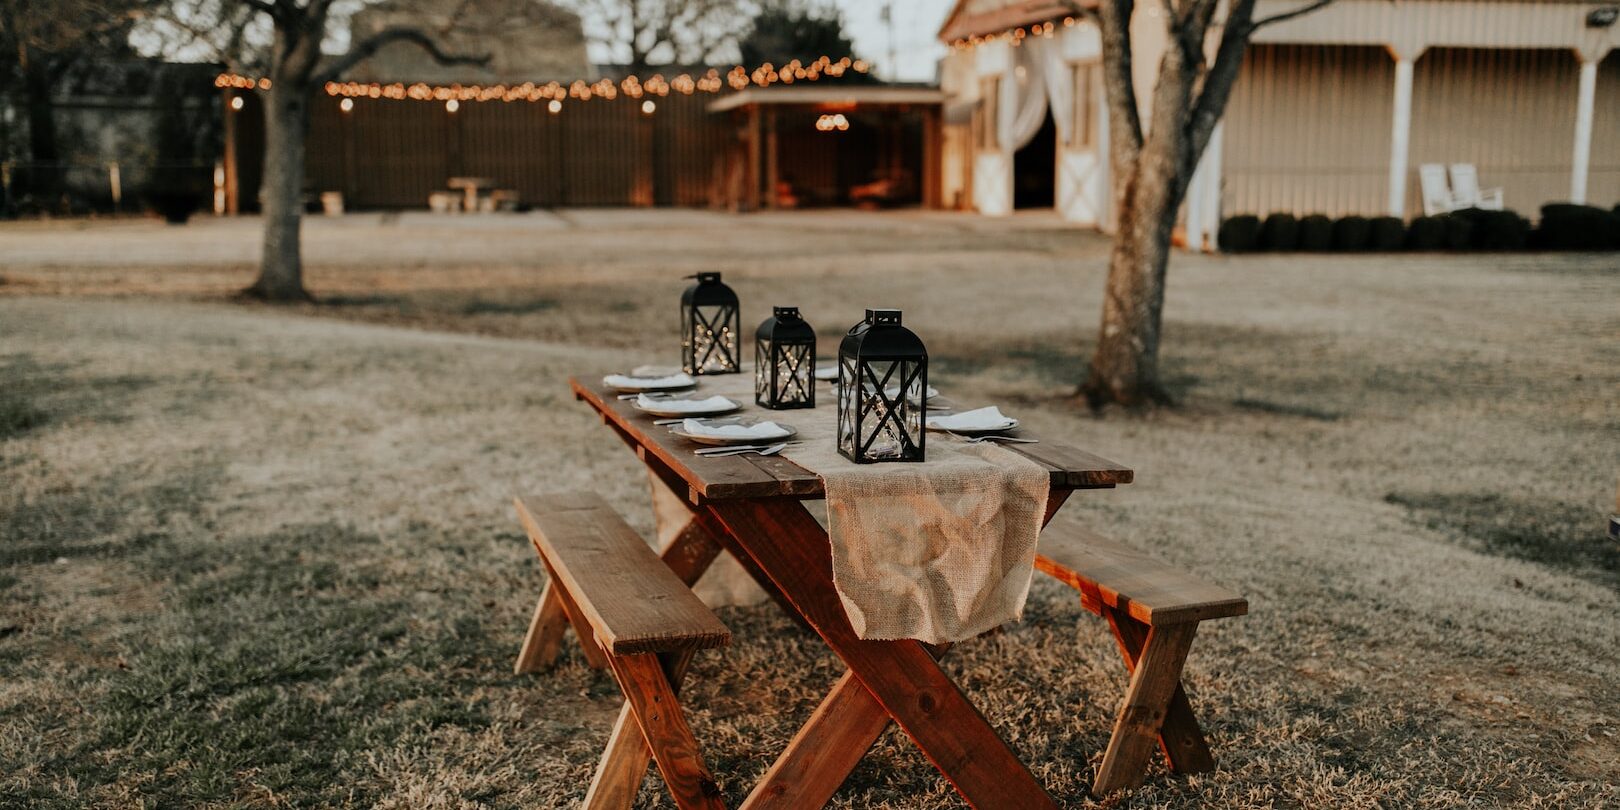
[(1182, 741), (901, 675), (648, 684), (625, 759), (544, 639), (1157, 676), (622, 767), (824, 752)]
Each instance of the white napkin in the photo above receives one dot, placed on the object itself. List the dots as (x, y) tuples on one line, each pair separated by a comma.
[(761, 431), (990, 418), (649, 383), (894, 391), (710, 405)]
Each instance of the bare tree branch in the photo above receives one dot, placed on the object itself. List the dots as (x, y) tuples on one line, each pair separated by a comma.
[(1288, 15), (1119, 82), (371, 45)]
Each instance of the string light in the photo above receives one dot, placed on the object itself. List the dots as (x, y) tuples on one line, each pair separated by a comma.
[(648, 106), (237, 103), (346, 105), (635, 87), (1014, 37), (451, 106), (832, 123), (555, 106)]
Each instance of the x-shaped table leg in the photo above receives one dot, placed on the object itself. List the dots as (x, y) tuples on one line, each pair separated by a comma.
[(897, 680)]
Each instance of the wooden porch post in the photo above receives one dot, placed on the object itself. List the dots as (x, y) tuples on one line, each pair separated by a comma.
[(933, 194), (752, 172), (771, 170), (232, 184)]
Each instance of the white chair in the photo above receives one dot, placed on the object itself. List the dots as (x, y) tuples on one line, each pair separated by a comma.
[(1465, 191), (1436, 194)]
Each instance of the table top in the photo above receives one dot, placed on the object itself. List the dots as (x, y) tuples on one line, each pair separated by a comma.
[(755, 476)]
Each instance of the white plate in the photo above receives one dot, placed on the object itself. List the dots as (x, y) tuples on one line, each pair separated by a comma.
[(656, 408), (787, 432), (639, 385), (985, 431)]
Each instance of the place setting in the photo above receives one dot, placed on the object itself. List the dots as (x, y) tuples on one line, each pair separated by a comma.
[(986, 424), (736, 435)]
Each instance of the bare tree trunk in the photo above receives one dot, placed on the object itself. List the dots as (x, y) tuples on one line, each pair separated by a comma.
[(1125, 367), (281, 272), (45, 180)]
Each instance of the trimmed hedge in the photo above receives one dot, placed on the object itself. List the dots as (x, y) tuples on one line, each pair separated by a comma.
[(1352, 234), (1426, 234), (1280, 233), (1316, 234), (1495, 230), (1566, 226), (1240, 234), (1388, 234)]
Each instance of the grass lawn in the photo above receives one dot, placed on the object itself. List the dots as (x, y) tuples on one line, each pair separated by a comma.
[(263, 557)]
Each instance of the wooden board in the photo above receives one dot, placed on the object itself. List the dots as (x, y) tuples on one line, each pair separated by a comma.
[(751, 476), (1150, 591), (631, 599)]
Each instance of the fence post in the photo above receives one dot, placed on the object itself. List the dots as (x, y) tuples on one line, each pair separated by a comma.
[(116, 185)]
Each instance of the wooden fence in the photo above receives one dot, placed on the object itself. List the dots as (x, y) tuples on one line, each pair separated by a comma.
[(393, 153)]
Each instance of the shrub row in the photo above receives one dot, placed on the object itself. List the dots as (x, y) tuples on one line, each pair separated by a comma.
[(1563, 226)]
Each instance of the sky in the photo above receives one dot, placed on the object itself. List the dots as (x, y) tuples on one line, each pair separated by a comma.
[(916, 22)]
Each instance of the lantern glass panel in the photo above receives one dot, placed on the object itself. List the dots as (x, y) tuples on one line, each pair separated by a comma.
[(882, 374), (784, 361), (709, 327)]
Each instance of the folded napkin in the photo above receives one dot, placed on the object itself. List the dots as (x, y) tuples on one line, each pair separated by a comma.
[(757, 432), (672, 381), (990, 418), (894, 391), (710, 405)]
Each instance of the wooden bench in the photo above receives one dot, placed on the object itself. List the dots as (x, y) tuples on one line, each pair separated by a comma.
[(1154, 609), (645, 625)]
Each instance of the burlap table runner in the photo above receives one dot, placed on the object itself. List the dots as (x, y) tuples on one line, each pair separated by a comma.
[(939, 551)]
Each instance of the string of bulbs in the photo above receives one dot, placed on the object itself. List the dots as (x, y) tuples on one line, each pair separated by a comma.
[(554, 92), (1015, 36)]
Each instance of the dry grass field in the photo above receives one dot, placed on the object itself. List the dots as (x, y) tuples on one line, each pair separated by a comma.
[(264, 557)]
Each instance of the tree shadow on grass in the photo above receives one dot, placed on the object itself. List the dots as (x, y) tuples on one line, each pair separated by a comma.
[(1557, 534)]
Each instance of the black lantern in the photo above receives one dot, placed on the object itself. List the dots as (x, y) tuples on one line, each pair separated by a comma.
[(709, 327), (784, 361), (882, 385)]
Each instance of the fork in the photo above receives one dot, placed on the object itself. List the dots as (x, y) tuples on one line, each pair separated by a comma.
[(738, 451), (993, 437)]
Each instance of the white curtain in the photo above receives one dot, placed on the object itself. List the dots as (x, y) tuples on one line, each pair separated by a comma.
[(1023, 98), (1059, 83)]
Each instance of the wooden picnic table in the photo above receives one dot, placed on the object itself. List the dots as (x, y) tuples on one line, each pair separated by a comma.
[(752, 507)]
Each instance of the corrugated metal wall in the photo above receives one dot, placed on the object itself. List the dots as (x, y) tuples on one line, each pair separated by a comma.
[(1511, 113), (1308, 127), (393, 154), (1307, 131)]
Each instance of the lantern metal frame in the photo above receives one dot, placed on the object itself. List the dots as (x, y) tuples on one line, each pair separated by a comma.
[(870, 357), (711, 327), (785, 361)]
